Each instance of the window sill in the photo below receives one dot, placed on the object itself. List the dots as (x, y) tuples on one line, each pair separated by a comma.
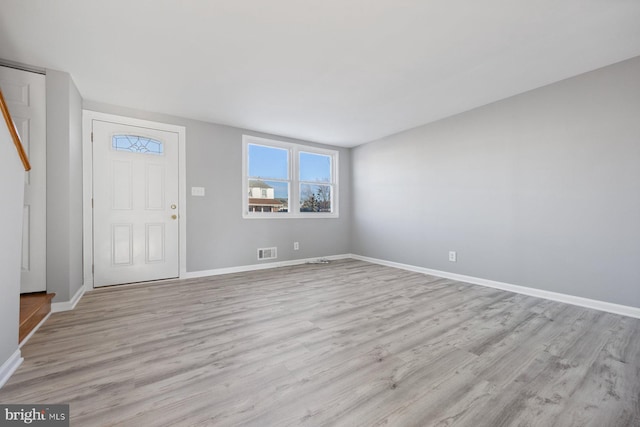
[(289, 216)]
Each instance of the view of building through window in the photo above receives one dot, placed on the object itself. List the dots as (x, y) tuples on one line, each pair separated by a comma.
[(268, 179), (262, 197), (297, 180)]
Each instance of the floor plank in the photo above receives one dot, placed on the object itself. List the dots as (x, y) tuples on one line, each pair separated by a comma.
[(348, 343)]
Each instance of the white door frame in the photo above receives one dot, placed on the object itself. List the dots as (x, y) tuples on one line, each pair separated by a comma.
[(87, 176)]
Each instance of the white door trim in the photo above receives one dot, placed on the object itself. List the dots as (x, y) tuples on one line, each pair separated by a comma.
[(87, 175), (25, 93)]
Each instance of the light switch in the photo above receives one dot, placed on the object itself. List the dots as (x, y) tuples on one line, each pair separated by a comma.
[(197, 191)]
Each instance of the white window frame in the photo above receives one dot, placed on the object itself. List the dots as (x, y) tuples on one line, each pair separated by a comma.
[(294, 179)]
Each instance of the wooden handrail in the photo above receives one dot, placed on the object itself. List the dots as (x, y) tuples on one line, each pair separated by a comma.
[(14, 133)]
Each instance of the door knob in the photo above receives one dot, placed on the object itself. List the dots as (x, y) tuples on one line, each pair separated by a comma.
[(174, 216), (173, 206)]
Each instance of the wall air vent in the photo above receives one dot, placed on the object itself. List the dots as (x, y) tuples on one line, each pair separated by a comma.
[(267, 253)]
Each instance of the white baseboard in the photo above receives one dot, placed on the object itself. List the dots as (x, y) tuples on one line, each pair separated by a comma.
[(57, 307), (252, 267), (9, 367), (609, 307), (33, 331)]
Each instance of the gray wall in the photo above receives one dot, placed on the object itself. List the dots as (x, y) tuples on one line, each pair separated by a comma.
[(64, 186), (217, 235), (539, 190)]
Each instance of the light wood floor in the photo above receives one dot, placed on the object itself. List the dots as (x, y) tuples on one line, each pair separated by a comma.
[(348, 343)]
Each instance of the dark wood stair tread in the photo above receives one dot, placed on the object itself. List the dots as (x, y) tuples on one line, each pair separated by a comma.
[(33, 308)]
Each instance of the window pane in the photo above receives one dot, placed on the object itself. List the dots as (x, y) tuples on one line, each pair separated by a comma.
[(268, 162), (315, 167), (268, 196), (315, 198), (136, 144)]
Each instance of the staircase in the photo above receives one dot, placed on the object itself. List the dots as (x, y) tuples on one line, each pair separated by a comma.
[(33, 308)]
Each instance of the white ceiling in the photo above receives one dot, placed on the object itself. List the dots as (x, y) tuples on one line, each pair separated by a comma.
[(341, 72)]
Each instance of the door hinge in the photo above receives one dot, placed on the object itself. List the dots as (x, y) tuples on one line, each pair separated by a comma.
[(91, 136), (92, 203), (93, 268)]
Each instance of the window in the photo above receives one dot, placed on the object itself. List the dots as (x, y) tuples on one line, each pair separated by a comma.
[(284, 180), (315, 182), (136, 144), (268, 179)]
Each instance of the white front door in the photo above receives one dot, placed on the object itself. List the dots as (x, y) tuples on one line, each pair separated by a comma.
[(135, 200), (25, 95)]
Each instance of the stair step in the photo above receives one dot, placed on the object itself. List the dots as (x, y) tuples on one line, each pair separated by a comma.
[(33, 308)]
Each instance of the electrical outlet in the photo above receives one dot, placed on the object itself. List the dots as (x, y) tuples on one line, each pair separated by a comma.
[(453, 257), (296, 246)]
